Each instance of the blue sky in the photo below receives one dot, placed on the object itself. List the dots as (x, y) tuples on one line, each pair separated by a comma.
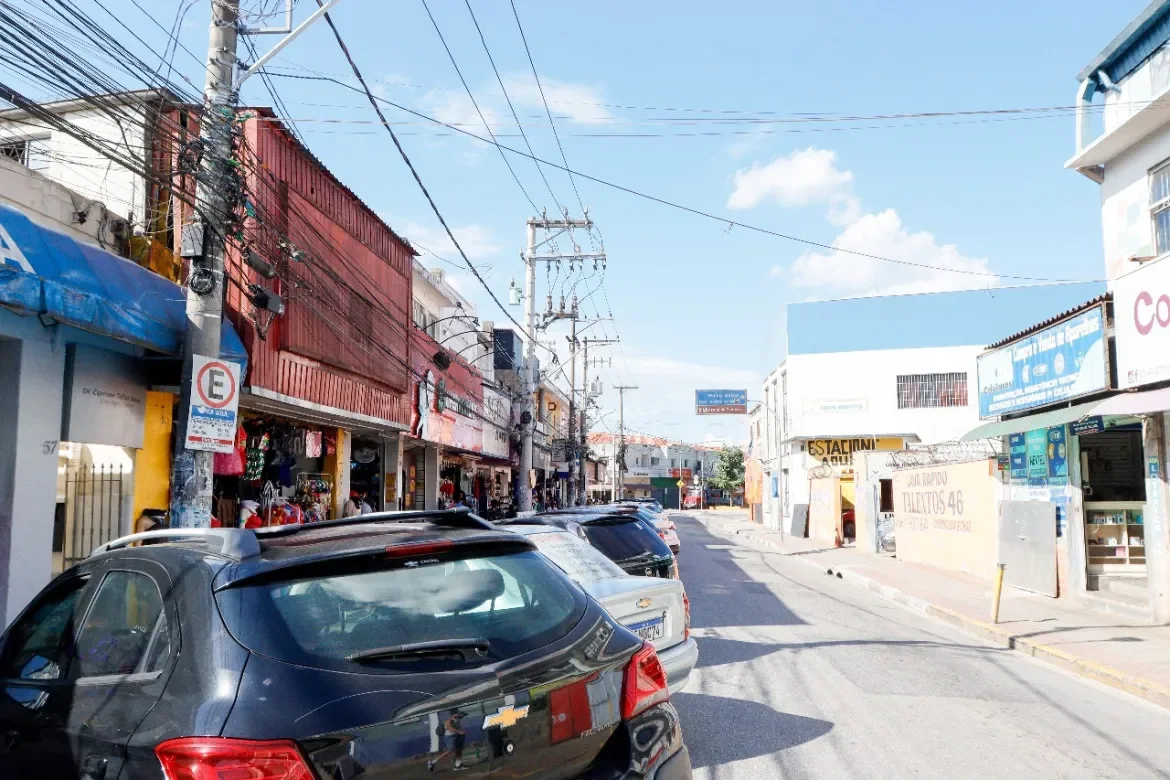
[(697, 304)]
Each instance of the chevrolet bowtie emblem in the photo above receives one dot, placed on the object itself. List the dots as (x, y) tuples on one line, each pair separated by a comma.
[(505, 717), (643, 603)]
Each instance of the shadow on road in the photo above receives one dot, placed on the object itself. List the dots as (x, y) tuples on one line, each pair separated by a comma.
[(723, 595), (719, 729)]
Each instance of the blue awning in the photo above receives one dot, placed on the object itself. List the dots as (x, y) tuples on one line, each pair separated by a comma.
[(46, 272)]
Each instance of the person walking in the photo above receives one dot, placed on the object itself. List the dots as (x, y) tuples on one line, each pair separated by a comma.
[(450, 732)]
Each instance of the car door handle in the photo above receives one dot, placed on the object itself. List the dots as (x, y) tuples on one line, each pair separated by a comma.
[(94, 768)]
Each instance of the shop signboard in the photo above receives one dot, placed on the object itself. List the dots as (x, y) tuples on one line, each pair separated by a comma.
[(1057, 454), (1037, 447), (444, 417), (1141, 305), (1087, 426), (946, 516), (1061, 362), (105, 398), (721, 402), (1017, 450), (215, 401), (838, 453)]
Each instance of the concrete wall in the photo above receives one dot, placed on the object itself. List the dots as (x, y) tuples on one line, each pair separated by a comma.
[(51, 205), (152, 465), (824, 510), (947, 516)]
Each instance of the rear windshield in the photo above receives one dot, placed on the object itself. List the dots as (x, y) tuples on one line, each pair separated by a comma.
[(621, 539), (516, 602)]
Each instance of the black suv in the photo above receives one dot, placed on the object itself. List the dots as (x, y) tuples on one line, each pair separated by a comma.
[(397, 645), (620, 533)]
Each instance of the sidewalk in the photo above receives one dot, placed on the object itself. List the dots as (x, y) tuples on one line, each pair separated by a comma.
[(1115, 651)]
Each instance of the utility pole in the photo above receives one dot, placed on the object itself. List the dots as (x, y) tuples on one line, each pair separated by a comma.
[(530, 326), (191, 470), (622, 434), (572, 441), (585, 397)]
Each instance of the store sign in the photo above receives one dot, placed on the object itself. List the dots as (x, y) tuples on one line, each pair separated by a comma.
[(1057, 453), (1141, 306), (444, 418), (1056, 364), (215, 401), (105, 398), (839, 452), (834, 405), (946, 516), (1018, 454), (1037, 447), (497, 419), (1087, 426), (721, 402)]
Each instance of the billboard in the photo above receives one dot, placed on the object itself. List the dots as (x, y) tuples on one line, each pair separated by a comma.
[(1141, 306), (721, 402), (1059, 363)]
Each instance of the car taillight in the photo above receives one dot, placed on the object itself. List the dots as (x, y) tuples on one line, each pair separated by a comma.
[(217, 758), (415, 549), (645, 682), (686, 616)]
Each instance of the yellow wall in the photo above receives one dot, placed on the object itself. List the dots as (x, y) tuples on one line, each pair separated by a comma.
[(824, 509), (946, 516), (152, 464)]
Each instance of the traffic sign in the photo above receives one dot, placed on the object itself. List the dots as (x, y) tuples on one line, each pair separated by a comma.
[(211, 421), (681, 484)]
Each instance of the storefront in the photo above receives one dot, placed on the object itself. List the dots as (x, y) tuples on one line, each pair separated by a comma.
[(831, 460)]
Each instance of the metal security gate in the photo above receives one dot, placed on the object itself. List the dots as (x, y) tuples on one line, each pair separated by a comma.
[(1027, 545), (94, 503)]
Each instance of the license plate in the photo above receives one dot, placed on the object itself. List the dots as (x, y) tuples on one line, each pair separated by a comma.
[(650, 629)]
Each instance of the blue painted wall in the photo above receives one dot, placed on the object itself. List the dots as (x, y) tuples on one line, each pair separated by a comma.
[(969, 317)]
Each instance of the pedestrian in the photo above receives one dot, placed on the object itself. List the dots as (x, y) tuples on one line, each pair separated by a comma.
[(353, 505), (366, 509), (450, 732)]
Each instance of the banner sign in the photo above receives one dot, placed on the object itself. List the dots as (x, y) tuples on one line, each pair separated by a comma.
[(1141, 306), (1058, 363), (215, 402), (1017, 450), (1087, 426), (1037, 446), (721, 402)]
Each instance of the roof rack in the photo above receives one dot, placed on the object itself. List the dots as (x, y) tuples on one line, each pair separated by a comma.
[(236, 543), (241, 543), (460, 517)]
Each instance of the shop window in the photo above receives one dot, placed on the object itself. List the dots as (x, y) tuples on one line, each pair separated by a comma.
[(1160, 207), (887, 495), (930, 391)]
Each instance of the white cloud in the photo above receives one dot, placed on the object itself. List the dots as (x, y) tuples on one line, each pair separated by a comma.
[(805, 177), (457, 109), (478, 241), (776, 271), (581, 103), (884, 235)]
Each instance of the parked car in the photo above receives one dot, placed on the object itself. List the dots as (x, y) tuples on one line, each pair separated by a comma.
[(656, 517), (399, 644), (655, 609), (620, 534)]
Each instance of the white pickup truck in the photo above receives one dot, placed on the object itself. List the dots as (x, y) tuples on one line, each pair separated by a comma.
[(654, 608)]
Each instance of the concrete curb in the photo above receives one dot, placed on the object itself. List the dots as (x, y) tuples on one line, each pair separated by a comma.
[(988, 632)]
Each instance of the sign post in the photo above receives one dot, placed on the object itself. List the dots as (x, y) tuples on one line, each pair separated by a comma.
[(215, 402)]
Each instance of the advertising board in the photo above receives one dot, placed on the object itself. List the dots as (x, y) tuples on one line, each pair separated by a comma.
[(1141, 306), (1065, 361), (721, 402)]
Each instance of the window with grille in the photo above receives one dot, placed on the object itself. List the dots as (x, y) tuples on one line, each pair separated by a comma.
[(1160, 207), (32, 153), (930, 391), (426, 321)]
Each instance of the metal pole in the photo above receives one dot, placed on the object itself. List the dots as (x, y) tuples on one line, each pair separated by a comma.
[(621, 476), (997, 592), (582, 486), (527, 429), (572, 410), (190, 469)]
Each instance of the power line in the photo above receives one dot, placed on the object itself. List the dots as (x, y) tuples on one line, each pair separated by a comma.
[(544, 99), (692, 210), (474, 103), (511, 107)]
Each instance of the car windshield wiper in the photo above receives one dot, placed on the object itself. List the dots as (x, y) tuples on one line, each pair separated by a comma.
[(468, 649)]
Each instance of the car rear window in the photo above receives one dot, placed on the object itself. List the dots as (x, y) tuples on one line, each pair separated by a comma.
[(516, 602), (621, 539)]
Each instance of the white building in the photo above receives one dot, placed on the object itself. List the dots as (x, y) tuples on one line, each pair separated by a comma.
[(653, 465), (879, 374)]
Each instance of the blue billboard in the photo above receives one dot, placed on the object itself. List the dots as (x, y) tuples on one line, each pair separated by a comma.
[(721, 402), (1059, 363)]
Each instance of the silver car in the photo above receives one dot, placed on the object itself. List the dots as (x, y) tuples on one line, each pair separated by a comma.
[(654, 608)]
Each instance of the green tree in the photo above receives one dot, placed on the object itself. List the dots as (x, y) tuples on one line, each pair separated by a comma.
[(728, 475)]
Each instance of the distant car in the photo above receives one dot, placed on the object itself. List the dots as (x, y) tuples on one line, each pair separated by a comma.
[(396, 644), (655, 609), (621, 534), (661, 524)]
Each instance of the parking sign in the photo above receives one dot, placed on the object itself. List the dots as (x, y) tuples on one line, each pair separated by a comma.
[(215, 401)]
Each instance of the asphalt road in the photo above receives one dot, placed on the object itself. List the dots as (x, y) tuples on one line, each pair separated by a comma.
[(802, 675)]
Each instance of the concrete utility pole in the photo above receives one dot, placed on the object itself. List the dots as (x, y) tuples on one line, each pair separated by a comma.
[(582, 451), (530, 327), (572, 441), (191, 470), (621, 469)]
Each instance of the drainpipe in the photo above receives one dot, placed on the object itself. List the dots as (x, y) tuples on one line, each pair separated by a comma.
[(1084, 104)]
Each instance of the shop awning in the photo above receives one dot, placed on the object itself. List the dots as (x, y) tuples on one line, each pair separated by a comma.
[(993, 430), (44, 272), (1136, 403)]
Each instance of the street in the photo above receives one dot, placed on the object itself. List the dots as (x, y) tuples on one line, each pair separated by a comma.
[(803, 676)]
